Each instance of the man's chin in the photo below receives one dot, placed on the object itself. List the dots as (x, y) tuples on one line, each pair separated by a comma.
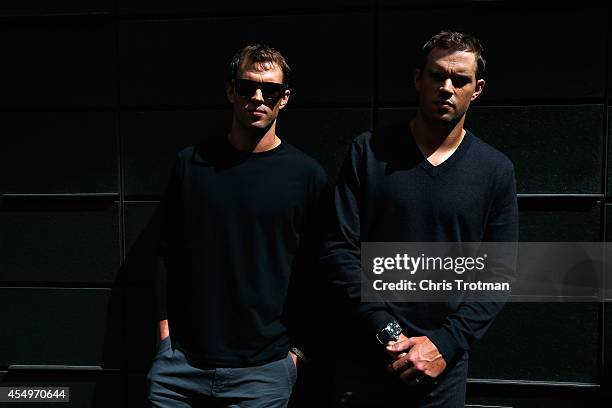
[(441, 119), (258, 126), (449, 118)]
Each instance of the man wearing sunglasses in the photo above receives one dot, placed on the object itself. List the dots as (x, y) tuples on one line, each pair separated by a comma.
[(241, 212), (423, 180)]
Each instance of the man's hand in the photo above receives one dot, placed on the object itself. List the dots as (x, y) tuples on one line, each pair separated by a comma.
[(417, 360), (295, 359), (162, 330), (392, 353)]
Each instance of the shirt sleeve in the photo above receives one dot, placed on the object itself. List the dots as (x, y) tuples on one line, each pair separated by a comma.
[(475, 315), (301, 313), (341, 253)]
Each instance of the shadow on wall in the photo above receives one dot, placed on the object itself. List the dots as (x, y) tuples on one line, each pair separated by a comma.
[(135, 284)]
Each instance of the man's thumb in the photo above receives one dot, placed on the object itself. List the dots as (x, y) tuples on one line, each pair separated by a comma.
[(401, 345)]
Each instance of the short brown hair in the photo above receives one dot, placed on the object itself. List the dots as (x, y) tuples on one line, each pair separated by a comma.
[(258, 53), (454, 40)]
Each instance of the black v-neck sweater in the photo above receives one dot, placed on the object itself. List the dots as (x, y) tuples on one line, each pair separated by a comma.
[(388, 192)]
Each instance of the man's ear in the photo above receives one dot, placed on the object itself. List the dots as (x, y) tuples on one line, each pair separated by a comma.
[(480, 84), (417, 79), (229, 92), (284, 99)]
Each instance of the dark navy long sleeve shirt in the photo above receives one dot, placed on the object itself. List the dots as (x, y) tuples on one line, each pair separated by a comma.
[(388, 192)]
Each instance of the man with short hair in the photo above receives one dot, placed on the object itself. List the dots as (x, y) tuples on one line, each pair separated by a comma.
[(240, 212), (428, 180)]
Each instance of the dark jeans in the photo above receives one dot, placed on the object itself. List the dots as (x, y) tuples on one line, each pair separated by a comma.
[(369, 385), (174, 382)]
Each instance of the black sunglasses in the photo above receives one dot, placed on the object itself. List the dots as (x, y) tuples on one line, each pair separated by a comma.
[(269, 90)]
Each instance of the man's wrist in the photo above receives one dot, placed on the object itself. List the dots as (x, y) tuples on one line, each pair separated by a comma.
[(163, 330), (390, 332), (298, 353)]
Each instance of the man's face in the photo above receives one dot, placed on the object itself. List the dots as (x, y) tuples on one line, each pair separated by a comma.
[(257, 110), (447, 84)]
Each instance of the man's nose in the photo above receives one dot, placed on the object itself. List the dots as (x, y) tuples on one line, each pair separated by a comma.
[(447, 86), (257, 96)]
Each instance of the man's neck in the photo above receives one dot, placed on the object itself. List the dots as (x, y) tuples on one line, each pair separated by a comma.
[(437, 141), (246, 140)]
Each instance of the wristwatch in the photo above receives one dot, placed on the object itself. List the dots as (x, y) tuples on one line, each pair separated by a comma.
[(390, 332), (298, 353)]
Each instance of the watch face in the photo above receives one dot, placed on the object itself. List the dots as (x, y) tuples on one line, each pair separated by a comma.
[(394, 330), (393, 336), (389, 333)]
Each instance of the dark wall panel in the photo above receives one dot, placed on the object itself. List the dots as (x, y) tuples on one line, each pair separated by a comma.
[(324, 134), (607, 348), (152, 139), (555, 149), (181, 62), (246, 8), (393, 116), (395, 4), (45, 7), (58, 152), (539, 342), (559, 220), (608, 296), (136, 386), (608, 135), (141, 232), (45, 240), (80, 327), (530, 396), (52, 63), (521, 66), (137, 217), (607, 31)]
